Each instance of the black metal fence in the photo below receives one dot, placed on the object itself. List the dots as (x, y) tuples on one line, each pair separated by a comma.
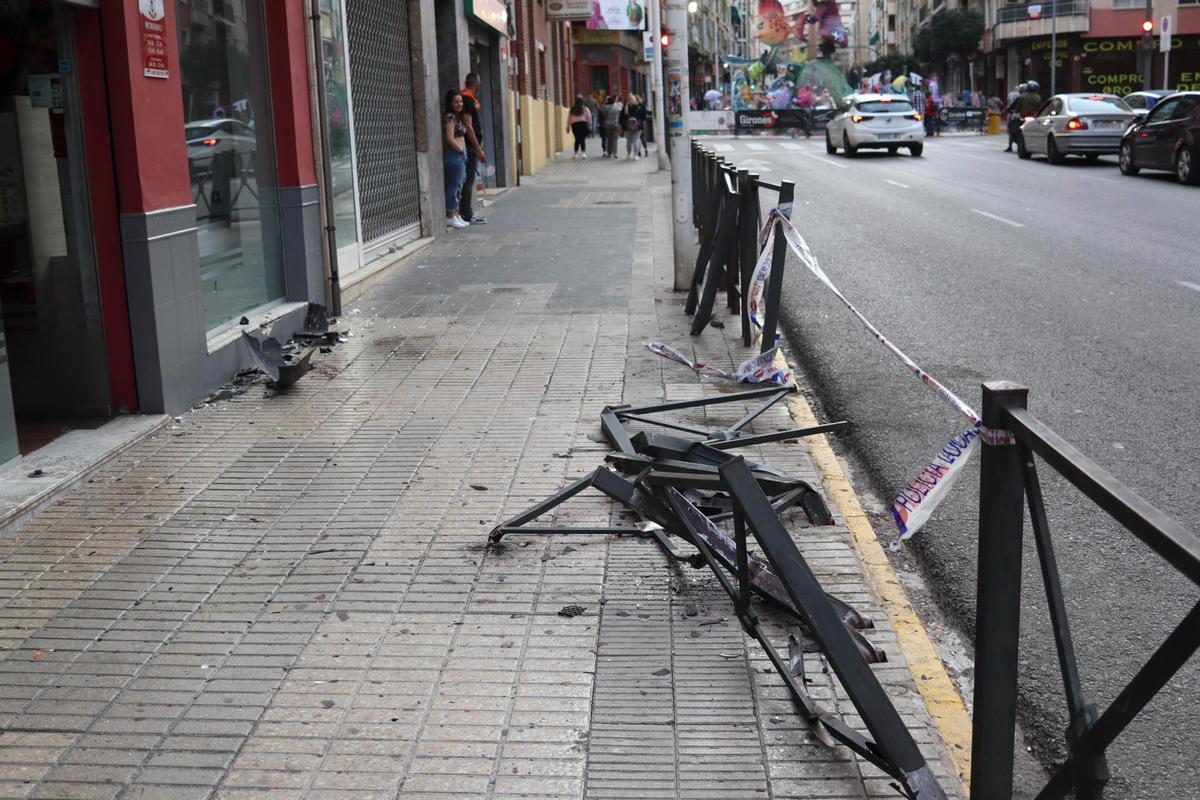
[(1008, 483), (726, 210), (808, 120)]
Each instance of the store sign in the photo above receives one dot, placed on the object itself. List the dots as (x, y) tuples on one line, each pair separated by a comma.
[(154, 38), (617, 15), (493, 13)]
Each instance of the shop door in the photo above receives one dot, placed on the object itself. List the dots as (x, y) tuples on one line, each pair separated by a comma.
[(385, 138), (481, 62), (53, 339)]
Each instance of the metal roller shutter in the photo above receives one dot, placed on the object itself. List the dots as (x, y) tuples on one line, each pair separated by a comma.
[(384, 122)]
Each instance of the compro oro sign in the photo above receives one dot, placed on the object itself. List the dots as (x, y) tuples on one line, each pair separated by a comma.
[(617, 15)]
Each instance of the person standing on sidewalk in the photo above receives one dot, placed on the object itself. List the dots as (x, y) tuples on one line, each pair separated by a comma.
[(579, 124), (633, 121), (612, 126), (454, 156), (475, 154)]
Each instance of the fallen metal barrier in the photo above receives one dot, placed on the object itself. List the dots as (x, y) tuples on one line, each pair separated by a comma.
[(727, 212), (1008, 481), (683, 487)]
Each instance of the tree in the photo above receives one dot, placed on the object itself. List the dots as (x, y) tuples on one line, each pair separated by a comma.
[(951, 33)]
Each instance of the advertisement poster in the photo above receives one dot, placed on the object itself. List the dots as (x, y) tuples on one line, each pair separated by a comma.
[(154, 38), (617, 15)]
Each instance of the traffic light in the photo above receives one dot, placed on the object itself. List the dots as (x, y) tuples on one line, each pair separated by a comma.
[(1147, 26), (665, 39)]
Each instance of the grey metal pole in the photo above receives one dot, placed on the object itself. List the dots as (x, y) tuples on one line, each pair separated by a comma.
[(1053, 47), (659, 104), (1148, 48), (325, 188), (998, 601), (678, 100)]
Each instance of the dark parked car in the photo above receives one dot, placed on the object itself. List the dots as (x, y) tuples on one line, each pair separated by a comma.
[(1168, 139)]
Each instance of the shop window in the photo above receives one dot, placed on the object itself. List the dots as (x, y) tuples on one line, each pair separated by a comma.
[(231, 159)]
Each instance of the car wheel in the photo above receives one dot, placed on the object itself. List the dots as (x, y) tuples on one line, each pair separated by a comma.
[(851, 151), (1021, 151), (1052, 153), (829, 146), (915, 150), (1125, 160), (1185, 167)]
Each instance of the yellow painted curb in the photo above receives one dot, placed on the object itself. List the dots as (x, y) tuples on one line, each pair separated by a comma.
[(945, 705)]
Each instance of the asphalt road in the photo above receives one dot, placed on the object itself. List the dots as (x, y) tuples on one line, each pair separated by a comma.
[(1080, 283)]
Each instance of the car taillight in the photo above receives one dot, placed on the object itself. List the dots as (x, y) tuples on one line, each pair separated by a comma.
[(209, 142), (861, 117), (917, 117), (1076, 124)]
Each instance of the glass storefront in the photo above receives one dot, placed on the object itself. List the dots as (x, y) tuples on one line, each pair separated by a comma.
[(231, 155), (337, 106)]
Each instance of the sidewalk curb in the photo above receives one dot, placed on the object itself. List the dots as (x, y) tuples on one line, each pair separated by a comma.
[(945, 706)]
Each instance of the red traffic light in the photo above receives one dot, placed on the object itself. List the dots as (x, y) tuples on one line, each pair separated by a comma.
[(1148, 25), (665, 39)]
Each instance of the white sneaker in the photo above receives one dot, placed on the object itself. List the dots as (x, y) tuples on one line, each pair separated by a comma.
[(459, 222), (585, 156)]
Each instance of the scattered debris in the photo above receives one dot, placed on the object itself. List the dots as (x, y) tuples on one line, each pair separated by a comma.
[(479, 487), (661, 672), (571, 611), (37, 473)]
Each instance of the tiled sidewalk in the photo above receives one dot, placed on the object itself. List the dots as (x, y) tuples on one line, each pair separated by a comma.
[(291, 597)]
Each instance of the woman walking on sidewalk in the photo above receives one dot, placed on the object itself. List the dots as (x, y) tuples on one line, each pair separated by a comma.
[(579, 123), (633, 120), (454, 157)]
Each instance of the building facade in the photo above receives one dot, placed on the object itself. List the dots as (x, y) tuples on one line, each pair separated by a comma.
[(1098, 43), (174, 173)]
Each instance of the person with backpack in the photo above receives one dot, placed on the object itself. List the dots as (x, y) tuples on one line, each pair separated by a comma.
[(633, 122), (611, 113)]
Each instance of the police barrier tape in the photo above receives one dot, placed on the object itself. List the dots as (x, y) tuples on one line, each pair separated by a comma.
[(760, 369), (915, 503)]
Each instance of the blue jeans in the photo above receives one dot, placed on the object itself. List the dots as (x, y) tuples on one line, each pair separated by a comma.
[(456, 171)]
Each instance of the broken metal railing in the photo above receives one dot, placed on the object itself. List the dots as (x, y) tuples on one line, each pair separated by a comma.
[(1009, 482), (683, 486), (728, 215)]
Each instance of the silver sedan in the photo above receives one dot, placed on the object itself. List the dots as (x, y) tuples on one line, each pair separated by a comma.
[(1076, 124)]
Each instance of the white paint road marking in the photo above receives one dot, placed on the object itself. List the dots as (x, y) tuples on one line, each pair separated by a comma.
[(897, 183), (997, 218), (791, 145), (756, 146), (1189, 285), (825, 161), (721, 148)]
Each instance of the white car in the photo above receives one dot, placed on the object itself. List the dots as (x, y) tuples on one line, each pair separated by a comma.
[(1088, 125), (207, 138), (880, 121)]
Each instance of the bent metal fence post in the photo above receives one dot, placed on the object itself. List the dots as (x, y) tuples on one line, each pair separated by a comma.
[(727, 212), (1009, 482), (683, 487)]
